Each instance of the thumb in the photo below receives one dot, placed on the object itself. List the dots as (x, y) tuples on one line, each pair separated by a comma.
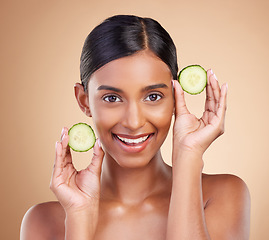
[(97, 160)]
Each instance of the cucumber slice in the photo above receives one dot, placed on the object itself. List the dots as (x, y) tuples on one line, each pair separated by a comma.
[(81, 137), (193, 79)]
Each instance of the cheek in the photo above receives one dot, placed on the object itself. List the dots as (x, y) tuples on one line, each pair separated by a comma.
[(161, 118), (104, 119)]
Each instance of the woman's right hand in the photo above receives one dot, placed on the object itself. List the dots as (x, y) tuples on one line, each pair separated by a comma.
[(77, 191)]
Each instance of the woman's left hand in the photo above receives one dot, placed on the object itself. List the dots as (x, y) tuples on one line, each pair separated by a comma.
[(191, 133)]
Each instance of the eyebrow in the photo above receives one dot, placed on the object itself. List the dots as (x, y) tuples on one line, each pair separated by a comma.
[(106, 87), (148, 88), (155, 86)]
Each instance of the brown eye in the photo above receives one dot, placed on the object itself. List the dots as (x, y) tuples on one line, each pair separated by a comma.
[(153, 97), (111, 98)]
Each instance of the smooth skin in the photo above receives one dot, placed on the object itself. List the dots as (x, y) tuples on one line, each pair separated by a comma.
[(128, 192)]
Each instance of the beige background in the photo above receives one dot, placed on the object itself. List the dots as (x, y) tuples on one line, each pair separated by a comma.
[(40, 49)]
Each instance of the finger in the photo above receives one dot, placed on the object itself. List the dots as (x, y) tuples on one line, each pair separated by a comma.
[(209, 72), (180, 103), (60, 154), (210, 101), (98, 155), (223, 102), (66, 149), (64, 130), (216, 90), (58, 162)]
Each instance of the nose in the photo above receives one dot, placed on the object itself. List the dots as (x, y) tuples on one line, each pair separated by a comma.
[(134, 117)]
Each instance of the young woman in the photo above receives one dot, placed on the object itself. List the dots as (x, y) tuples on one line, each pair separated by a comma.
[(128, 72)]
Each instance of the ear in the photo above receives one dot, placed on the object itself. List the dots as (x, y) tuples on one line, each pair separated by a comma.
[(82, 99)]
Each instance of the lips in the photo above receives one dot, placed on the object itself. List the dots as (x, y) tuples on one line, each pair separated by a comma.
[(133, 143)]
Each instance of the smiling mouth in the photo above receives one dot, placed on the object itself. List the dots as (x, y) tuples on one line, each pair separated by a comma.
[(133, 141)]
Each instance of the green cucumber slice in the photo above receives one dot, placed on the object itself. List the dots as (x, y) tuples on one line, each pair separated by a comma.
[(193, 79), (81, 137)]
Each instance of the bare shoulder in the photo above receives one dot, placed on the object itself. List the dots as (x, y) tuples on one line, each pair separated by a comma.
[(224, 185), (227, 206), (43, 221)]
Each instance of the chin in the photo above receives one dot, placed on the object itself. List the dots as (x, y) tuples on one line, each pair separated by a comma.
[(138, 160)]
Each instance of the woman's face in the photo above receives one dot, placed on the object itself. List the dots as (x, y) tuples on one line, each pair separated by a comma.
[(131, 103)]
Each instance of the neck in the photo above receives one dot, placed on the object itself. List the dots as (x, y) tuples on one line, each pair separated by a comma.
[(133, 185)]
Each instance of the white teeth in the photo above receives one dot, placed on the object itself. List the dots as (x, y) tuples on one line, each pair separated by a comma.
[(136, 141)]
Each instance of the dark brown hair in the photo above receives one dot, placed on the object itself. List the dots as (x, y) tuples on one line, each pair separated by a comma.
[(121, 36)]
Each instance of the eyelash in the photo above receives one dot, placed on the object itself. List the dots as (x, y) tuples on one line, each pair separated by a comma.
[(106, 98), (159, 96)]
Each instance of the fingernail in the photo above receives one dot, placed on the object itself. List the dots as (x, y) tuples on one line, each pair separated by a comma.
[(99, 143), (227, 86), (173, 83), (215, 76), (63, 136), (62, 131), (211, 71)]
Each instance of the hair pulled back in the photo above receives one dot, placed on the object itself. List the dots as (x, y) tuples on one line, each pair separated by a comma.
[(121, 36)]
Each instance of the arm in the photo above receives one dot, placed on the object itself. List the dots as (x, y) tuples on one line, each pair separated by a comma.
[(78, 192), (187, 217), (186, 213), (81, 225)]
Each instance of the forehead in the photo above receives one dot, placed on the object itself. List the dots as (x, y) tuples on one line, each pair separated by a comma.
[(142, 68)]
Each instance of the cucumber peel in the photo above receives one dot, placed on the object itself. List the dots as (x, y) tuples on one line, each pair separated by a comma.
[(193, 79), (81, 137)]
